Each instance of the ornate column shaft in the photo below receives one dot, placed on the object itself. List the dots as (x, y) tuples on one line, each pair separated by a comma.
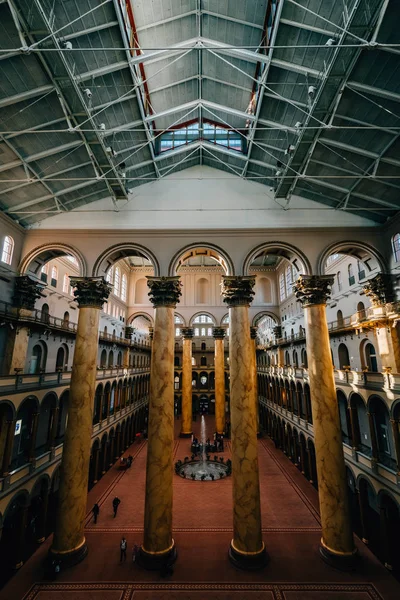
[(69, 544), (253, 371), (186, 424), (247, 548), (337, 544), (158, 545), (219, 365)]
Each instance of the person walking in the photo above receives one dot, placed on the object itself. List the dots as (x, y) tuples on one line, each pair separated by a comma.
[(135, 552), (122, 547), (95, 511), (116, 502)]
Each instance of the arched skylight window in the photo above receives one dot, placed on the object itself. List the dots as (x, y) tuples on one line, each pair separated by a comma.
[(8, 249), (203, 319), (117, 281), (282, 291), (124, 287)]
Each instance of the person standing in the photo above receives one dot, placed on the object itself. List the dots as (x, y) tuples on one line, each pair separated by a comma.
[(135, 552), (122, 547), (116, 502), (95, 511)]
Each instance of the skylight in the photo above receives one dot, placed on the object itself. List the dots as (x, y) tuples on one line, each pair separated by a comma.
[(214, 133)]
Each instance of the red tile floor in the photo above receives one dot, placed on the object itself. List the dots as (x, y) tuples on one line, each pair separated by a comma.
[(202, 532)]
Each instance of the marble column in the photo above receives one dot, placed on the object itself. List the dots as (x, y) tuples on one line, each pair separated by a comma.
[(247, 549), (337, 543), (186, 424), (26, 291), (219, 366), (158, 547), (69, 545), (253, 371)]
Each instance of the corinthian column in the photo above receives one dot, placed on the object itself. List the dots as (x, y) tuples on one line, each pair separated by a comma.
[(247, 550), (337, 544), (253, 371), (219, 366), (158, 547), (69, 545), (186, 428)]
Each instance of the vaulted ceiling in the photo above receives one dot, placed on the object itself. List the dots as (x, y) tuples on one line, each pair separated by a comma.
[(88, 88)]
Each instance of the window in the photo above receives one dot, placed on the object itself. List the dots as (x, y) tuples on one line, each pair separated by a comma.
[(214, 133), (282, 292), (110, 275), (124, 286), (197, 331), (396, 247), (209, 331), (203, 319), (289, 280), (339, 280), (117, 281), (203, 331), (361, 270), (8, 248), (44, 271), (66, 285), (350, 270), (72, 259), (54, 276), (177, 331)]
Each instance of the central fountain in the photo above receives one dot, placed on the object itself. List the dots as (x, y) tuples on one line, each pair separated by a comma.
[(203, 468)]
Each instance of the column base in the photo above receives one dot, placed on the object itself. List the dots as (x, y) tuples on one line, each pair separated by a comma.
[(248, 562), (68, 559), (159, 561), (186, 435), (342, 562)]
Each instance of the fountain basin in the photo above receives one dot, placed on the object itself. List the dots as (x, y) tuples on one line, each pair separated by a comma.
[(199, 470)]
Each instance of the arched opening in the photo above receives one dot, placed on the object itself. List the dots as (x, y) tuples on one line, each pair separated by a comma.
[(62, 358), (62, 417), (371, 360), (344, 357), (196, 255), (45, 424), (37, 363), (344, 417), (25, 432), (103, 359), (383, 432)]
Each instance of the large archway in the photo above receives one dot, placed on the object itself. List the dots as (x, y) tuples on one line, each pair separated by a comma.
[(33, 262), (271, 252), (198, 254), (365, 254), (129, 251)]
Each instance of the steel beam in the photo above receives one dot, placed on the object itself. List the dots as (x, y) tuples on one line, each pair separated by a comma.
[(28, 95)]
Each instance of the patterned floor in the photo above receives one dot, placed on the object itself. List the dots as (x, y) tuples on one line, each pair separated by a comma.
[(202, 532)]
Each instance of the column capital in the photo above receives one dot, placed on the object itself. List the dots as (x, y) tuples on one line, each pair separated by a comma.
[(164, 291), (379, 289), (187, 333), (219, 333), (238, 290), (313, 289), (27, 290), (253, 332), (90, 291)]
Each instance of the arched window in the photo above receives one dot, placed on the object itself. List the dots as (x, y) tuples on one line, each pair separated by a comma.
[(370, 356), (44, 271), (209, 331), (339, 318), (339, 280), (396, 247), (110, 275), (65, 322), (62, 358), (45, 318), (177, 331), (66, 284), (361, 270), (202, 288), (203, 331), (8, 249), (304, 359), (350, 270), (344, 358), (282, 292), (54, 276), (289, 280), (124, 287), (117, 281), (361, 310), (197, 331)]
